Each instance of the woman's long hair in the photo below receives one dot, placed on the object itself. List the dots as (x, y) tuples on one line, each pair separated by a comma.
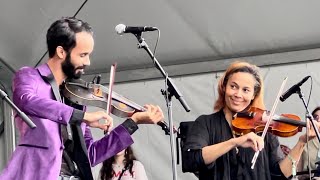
[(240, 66), (106, 172)]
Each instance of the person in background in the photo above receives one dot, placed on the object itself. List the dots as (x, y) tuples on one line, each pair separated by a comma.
[(123, 166), (312, 150)]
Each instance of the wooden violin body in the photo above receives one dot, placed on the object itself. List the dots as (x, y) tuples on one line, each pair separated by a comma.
[(253, 120), (90, 94), (85, 93)]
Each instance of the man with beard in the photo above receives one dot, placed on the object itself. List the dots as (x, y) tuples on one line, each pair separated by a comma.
[(42, 152)]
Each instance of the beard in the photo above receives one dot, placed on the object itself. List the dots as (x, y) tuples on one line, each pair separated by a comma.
[(69, 69)]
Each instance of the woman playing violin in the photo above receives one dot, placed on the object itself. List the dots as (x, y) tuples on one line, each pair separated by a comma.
[(215, 152)]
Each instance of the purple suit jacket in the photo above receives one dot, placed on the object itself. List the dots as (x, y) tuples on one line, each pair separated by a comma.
[(39, 152)]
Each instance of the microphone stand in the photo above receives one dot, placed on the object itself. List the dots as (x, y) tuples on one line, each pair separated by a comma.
[(311, 120), (308, 114), (171, 90), (23, 116)]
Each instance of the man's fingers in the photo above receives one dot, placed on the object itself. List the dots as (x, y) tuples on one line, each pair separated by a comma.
[(111, 124), (159, 109), (108, 122), (107, 119), (154, 109), (159, 117), (148, 107), (104, 127), (99, 126)]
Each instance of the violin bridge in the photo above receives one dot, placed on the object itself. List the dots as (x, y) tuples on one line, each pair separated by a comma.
[(97, 91)]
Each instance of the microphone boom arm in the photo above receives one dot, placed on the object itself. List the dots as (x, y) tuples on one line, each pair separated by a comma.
[(172, 88)]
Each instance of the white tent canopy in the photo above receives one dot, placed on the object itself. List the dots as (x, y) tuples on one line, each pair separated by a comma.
[(191, 32)]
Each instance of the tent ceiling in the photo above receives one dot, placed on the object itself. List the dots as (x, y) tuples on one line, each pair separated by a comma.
[(191, 31)]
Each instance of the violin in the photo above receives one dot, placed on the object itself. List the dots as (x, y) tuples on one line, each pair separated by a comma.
[(254, 120), (85, 93)]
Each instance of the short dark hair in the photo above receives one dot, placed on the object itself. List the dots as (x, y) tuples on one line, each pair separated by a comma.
[(62, 33)]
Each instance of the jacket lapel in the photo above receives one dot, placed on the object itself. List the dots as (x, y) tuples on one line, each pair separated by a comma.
[(47, 75)]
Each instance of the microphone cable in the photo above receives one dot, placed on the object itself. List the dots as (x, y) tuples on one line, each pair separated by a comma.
[(155, 47), (307, 131)]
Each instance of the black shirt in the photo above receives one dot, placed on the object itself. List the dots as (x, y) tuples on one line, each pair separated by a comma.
[(212, 129)]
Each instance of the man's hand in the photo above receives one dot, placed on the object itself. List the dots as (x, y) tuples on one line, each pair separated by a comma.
[(152, 115), (92, 120)]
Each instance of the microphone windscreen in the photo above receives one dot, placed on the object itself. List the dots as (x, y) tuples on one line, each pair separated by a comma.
[(120, 28)]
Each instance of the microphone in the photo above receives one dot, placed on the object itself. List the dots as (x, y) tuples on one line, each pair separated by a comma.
[(293, 89), (121, 29)]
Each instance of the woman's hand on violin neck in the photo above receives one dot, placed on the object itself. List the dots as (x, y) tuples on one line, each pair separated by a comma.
[(152, 115), (92, 120), (250, 140), (312, 133)]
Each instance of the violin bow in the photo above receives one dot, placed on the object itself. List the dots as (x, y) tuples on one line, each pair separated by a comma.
[(111, 82), (254, 159)]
